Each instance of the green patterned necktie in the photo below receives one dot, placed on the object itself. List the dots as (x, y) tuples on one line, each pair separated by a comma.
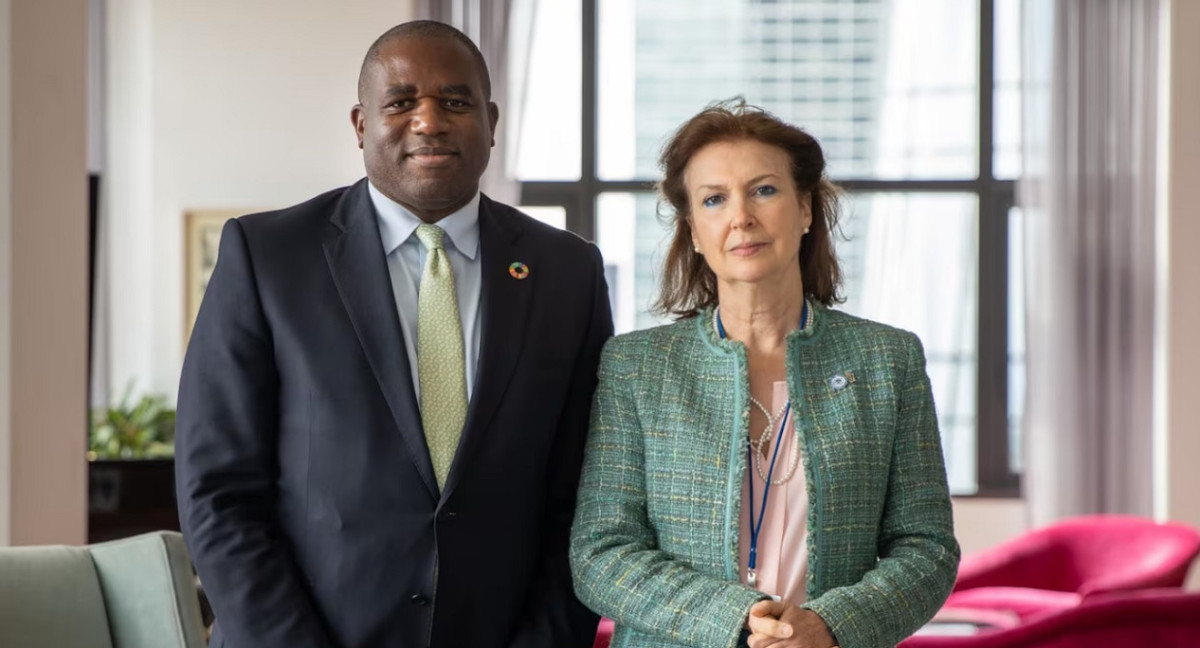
[(440, 359)]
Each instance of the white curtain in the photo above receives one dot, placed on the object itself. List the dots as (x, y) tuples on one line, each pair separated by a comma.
[(910, 257), (497, 29), (1090, 69)]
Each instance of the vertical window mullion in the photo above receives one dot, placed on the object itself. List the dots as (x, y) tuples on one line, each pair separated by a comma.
[(589, 183), (992, 473)]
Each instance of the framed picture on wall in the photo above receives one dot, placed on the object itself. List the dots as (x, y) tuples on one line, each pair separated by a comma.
[(201, 240)]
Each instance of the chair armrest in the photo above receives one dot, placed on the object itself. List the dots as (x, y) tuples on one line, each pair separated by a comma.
[(150, 591)]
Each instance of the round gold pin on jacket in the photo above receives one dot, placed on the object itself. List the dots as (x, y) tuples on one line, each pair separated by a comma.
[(518, 270)]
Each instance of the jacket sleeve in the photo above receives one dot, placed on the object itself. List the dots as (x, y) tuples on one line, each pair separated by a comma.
[(918, 555), (227, 466), (553, 617), (619, 570)]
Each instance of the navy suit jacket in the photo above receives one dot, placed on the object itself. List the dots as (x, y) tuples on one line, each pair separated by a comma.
[(305, 487)]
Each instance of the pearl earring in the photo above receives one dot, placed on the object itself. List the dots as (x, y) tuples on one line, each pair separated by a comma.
[(806, 230)]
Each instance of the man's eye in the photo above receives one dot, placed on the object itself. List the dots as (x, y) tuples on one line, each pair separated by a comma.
[(457, 103), (714, 200)]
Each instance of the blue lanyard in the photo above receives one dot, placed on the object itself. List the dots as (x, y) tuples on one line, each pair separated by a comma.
[(756, 525)]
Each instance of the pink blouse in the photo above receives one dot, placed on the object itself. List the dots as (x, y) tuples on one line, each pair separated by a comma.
[(783, 541)]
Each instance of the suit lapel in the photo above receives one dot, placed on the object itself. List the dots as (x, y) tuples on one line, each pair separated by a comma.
[(354, 252), (505, 306)]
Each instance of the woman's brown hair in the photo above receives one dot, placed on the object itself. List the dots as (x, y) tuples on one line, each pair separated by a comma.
[(688, 285)]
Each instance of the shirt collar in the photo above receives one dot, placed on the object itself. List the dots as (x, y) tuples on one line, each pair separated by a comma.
[(397, 224)]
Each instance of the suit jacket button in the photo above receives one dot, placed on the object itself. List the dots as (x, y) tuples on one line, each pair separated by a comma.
[(420, 600)]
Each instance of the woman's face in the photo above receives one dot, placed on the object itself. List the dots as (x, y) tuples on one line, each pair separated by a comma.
[(747, 217)]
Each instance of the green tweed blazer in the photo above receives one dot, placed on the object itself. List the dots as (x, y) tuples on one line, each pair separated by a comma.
[(654, 545)]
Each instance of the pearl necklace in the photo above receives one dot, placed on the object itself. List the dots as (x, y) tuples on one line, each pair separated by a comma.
[(765, 438), (772, 421)]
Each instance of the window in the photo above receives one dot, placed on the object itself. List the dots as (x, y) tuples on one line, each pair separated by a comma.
[(916, 104)]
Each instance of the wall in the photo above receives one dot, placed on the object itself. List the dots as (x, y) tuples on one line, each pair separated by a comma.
[(5, 269), (219, 104), (43, 218), (982, 522), (1183, 301)]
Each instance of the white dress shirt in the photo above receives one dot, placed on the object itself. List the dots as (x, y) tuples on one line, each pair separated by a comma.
[(406, 264)]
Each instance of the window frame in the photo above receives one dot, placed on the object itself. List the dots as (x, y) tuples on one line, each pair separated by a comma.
[(996, 197)]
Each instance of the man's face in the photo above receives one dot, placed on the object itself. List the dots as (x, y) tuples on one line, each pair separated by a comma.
[(424, 126)]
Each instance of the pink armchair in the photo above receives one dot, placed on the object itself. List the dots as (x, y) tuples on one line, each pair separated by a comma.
[(1162, 618), (1060, 565), (604, 633)]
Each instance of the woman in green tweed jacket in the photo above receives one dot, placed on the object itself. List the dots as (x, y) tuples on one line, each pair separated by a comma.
[(659, 543)]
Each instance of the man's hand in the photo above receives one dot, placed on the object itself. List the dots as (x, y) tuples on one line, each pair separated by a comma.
[(782, 625)]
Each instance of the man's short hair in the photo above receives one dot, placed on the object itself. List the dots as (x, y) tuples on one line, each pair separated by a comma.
[(424, 29)]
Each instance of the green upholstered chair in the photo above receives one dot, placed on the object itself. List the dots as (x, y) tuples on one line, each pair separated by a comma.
[(137, 592)]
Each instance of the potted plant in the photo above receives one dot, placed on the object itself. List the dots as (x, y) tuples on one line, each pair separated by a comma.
[(141, 430)]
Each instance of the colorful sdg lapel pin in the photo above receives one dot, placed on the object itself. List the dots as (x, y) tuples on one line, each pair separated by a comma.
[(518, 270)]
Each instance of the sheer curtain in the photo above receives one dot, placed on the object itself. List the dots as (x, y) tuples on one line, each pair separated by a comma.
[(910, 258), (1088, 197), (501, 30)]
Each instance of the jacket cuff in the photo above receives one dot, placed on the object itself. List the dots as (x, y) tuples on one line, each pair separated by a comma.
[(838, 614), (738, 610)]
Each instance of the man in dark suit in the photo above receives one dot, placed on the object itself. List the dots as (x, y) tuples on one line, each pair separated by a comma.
[(384, 402)]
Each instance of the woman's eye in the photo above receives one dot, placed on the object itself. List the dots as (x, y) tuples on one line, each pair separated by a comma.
[(713, 201), (766, 190)]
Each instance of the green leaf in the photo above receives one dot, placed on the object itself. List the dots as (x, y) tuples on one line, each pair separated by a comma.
[(141, 429)]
